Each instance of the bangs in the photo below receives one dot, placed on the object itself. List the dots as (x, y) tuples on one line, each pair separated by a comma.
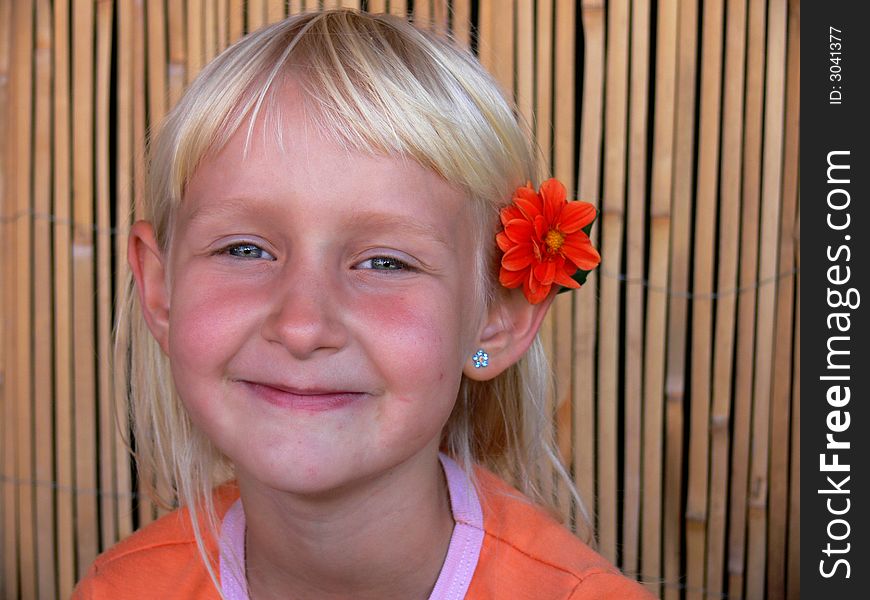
[(371, 83)]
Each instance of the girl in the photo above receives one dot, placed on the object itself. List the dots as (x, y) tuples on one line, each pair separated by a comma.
[(317, 319)]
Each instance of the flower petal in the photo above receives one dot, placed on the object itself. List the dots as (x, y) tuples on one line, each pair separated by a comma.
[(575, 216), (563, 276), (530, 208), (517, 258), (545, 272), (580, 251), (554, 197), (509, 213), (512, 279), (503, 241), (527, 192), (519, 231), (541, 227), (531, 282), (538, 295)]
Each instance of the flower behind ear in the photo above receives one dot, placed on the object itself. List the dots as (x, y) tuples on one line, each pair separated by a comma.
[(545, 241)]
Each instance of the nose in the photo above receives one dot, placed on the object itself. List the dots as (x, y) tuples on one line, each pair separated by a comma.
[(306, 315)]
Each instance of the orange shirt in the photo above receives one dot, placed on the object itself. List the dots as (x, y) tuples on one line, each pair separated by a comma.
[(525, 554)]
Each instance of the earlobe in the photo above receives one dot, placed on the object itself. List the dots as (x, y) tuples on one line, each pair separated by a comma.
[(510, 329), (147, 264)]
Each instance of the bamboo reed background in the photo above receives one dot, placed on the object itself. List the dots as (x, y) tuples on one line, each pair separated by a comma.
[(677, 400)]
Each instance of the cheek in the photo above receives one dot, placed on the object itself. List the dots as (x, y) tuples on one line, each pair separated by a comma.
[(203, 323), (414, 332)]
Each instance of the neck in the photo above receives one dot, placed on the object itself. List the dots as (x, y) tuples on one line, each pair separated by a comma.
[(383, 538)]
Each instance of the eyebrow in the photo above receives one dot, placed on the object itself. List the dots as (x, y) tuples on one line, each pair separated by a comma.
[(385, 221), (216, 208), (363, 220)]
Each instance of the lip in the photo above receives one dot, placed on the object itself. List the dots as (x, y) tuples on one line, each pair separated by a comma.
[(308, 399)]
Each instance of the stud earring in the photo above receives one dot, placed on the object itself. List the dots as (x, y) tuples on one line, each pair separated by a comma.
[(480, 359)]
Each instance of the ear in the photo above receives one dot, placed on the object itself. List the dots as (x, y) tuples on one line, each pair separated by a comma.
[(511, 326), (149, 271)]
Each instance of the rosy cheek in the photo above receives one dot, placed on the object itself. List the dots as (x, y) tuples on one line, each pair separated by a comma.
[(201, 324), (408, 326)]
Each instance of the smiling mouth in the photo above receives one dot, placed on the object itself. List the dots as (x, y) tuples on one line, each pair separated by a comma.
[(312, 400)]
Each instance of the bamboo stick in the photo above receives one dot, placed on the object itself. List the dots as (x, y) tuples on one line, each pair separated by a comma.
[(20, 171), (543, 125), (42, 326), (702, 310), (612, 220), (399, 7), (525, 64), (729, 232), (194, 28), (8, 502), (210, 31), (275, 11), (461, 22), (783, 348), (793, 573), (680, 258), (501, 42), (654, 352), (563, 168), (441, 16), (223, 25), (766, 307), (635, 245), (423, 14), (63, 304), (377, 6), (109, 497), (793, 567), (611, 228), (123, 165), (485, 35), (157, 79), (256, 14), (500, 59), (237, 20), (177, 67), (8, 545), (588, 185), (328, 4), (87, 542), (747, 299), (565, 36), (140, 125)]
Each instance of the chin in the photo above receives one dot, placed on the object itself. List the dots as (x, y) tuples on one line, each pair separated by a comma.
[(304, 479)]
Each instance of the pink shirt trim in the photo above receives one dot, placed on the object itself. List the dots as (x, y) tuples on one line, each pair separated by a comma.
[(456, 572)]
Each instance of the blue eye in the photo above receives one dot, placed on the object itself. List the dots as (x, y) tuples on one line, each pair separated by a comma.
[(383, 263), (247, 251)]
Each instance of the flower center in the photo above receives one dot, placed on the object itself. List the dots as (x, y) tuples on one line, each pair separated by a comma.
[(554, 240)]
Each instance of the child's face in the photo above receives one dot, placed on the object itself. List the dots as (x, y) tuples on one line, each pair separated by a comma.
[(322, 307)]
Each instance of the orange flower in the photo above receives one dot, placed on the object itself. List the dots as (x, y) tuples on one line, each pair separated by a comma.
[(545, 241)]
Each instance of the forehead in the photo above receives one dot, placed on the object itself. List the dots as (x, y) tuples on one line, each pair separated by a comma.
[(284, 158)]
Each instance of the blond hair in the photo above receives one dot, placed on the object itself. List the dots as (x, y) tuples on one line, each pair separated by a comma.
[(378, 85)]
